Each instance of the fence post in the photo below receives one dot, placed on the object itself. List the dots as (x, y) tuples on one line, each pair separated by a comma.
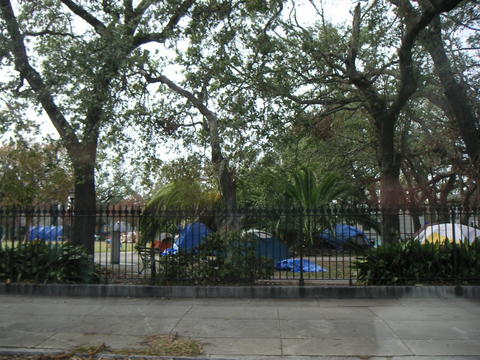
[(301, 282), (115, 255), (153, 269), (452, 214)]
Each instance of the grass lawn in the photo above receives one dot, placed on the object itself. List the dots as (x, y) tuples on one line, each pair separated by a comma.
[(103, 246), (100, 246)]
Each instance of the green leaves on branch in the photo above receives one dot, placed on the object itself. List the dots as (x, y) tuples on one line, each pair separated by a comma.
[(412, 262), (224, 258), (45, 262), (33, 174)]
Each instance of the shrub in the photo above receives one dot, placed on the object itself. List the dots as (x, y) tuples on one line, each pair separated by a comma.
[(177, 269), (223, 258), (44, 262), (411, 262)]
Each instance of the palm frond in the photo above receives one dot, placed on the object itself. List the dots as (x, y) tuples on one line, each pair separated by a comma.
[(163, 210)]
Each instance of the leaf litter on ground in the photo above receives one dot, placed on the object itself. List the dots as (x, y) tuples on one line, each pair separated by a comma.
[(154, 345)]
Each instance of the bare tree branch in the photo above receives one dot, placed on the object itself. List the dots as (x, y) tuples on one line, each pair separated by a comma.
[(49, 32), (162, 36), (128, 11), (99, 27), (353, 49), (225, 174), (22, 65), (196, 102), (374, 102), (142, 7)]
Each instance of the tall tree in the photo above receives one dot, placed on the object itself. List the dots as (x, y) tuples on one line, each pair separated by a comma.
[(385, 113), (460, 104), (214, 69), (359, 71), (74, 72), (225, 174)]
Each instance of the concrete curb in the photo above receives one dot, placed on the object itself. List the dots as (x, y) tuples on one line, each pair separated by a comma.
[(238, 292), (105, 356)]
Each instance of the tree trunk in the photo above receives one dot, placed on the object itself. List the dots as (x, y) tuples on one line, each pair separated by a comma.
[(468, 197), (225, 175), (411, 199), (229, 195), (455, 94), (390, 189), (226, 178), (444, 212), (28, 223), (83, 228), (385, 113)]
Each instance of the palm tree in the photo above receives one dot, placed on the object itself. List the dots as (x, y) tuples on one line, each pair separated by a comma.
[(306, 192), (173, 203)]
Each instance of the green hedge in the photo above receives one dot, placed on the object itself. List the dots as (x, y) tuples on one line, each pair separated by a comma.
[(411, 262), (44, 262), (223, 258)]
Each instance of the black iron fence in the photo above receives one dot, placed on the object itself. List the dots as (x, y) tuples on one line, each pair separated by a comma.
[(250, 245)]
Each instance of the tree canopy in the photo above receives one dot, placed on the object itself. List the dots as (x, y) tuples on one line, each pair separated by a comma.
[(387, 100)]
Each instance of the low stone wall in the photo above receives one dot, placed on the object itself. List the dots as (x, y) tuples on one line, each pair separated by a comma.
[(266, 292)]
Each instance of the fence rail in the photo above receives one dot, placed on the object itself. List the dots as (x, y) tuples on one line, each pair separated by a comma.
[(249, 245)]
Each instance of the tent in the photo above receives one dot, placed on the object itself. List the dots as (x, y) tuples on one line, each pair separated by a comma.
[(192, 236), (47, 233), (343, 235), (448, 232), (268, 246)]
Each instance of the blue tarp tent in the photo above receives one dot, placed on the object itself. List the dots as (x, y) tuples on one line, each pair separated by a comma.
[(343, 234), (268, 246), (294, 266), (192, 236), (47, 233)]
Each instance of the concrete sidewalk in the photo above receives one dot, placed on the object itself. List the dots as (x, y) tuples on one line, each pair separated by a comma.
[(254, 329)]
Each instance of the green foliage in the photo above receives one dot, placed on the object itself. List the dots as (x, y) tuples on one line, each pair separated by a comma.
[(43, 262), (33, 174), (163, 210), (223, 258), (305, 191), (411, 262)]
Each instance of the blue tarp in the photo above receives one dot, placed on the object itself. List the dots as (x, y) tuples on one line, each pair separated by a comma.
[(170, 251), (192, 236), (342, 233), (294, 266), (47, 233)]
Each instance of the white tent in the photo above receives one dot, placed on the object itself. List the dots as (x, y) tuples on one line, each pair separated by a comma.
[(450, 232)]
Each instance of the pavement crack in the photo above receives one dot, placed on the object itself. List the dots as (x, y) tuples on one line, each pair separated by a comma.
[(281, 333), (392, 330), (179, 320), (44, 340)]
